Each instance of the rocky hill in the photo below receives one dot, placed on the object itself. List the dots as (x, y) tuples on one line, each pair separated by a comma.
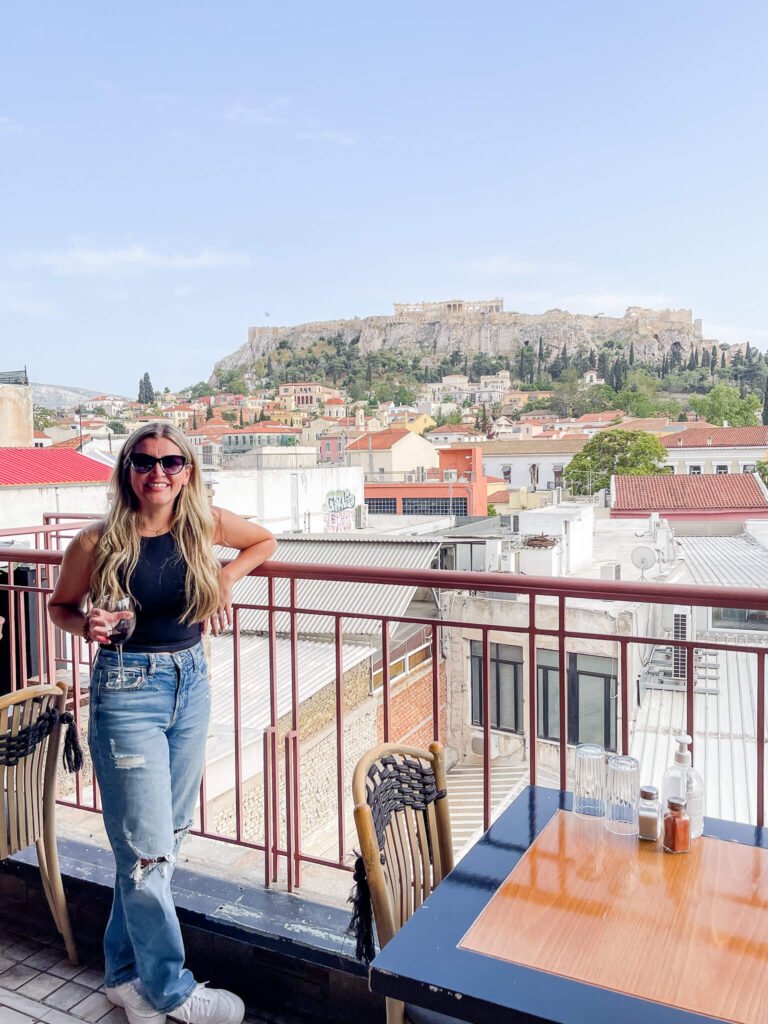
[(431, 331)]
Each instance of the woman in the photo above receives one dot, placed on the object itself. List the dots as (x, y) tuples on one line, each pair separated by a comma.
[(148, 721)]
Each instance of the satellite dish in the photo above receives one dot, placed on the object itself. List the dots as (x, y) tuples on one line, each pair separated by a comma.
[(643, 558)]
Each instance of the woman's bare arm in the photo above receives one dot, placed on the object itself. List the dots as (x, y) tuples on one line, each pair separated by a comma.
[(255, 543)]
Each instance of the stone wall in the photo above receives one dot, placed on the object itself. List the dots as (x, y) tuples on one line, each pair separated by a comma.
[(15, 416)]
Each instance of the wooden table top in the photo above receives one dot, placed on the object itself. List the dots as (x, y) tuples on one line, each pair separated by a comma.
[(689, 931)]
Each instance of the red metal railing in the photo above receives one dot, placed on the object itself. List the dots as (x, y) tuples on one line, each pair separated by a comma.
[(551, 604)]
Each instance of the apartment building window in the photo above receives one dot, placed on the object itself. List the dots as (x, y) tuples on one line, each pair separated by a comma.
[(382, 506), (748, 467), (434, 506), (592, 693), (694, 471), (721, 470), (506, 683)]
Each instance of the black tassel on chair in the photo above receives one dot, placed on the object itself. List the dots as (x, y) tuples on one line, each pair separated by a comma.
[(361, 925), (72, 756)]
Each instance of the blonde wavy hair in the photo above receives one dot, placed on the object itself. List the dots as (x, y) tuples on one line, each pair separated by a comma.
[(192, 527)]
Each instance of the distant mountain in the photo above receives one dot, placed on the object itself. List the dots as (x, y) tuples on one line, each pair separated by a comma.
[(55, 396)]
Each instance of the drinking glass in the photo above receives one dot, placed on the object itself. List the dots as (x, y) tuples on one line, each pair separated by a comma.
[(589, 780), (622, 793), (123, 627)]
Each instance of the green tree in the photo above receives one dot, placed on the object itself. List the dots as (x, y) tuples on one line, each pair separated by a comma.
[(631, 353), (201, 390), (615, 453), (229, 416), (724, 404), (765, 406), (713, 359), (117, 427), (42, 417), (146, 391), (762, 471), (209, 412)]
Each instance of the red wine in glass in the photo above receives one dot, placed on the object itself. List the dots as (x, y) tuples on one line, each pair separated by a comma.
[(123, 628)]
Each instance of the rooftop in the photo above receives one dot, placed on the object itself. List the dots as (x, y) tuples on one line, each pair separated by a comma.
[(718, 437), (35, 467), (709, 491), (382, 439)]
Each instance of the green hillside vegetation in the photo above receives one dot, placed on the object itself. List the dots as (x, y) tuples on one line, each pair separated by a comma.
[(639, 389)]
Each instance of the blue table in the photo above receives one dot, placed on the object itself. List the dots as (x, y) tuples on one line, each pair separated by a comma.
[(423, 964)]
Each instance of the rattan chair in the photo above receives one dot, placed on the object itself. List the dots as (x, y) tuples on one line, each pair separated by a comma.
[(404, 829), (30, 731)]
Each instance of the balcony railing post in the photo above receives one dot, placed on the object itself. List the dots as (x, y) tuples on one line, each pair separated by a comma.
[(532, 687), (436, 709), (386, 706), (486, 694), (563, 693), (624, 709), (340, 780), (237, 710), (760, 738)]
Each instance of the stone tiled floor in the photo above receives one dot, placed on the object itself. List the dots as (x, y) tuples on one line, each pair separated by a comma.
[(38, 984)]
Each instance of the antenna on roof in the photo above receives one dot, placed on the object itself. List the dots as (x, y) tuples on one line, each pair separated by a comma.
[(643, 558)]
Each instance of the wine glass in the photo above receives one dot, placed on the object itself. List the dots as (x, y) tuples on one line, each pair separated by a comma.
[(123, 627)]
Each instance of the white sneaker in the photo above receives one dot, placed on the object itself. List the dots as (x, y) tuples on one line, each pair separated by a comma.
[(210, 1006), (138, 1008)]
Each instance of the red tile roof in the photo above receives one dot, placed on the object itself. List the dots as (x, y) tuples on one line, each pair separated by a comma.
[(600, 417), (718, 437), (31, 467), (382, 439), (707, 492), (454, 428), (74, 443)]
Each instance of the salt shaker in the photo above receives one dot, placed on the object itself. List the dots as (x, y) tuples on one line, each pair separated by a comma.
[(649, 814)]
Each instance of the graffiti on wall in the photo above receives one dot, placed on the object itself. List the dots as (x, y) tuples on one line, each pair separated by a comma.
[(339, 509)]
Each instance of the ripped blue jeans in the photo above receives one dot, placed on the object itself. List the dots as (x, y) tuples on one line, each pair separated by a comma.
[(147, 740)]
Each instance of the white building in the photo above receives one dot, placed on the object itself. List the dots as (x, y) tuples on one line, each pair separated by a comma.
[(317, 500), (700, 450), (537, 463)]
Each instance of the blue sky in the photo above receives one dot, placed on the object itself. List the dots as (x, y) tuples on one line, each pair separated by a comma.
[(172, 172)]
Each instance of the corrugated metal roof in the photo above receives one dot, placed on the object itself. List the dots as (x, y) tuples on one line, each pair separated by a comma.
[(726, 561), (329, 549), (25, 467), (725, 751)]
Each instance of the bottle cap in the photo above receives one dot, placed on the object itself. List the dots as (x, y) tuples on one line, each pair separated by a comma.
[(676, 803), (649, 792), (683, 754)]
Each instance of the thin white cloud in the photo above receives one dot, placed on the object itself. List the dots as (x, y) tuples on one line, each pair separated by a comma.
[(509, 266), (271, 112), (8, 125), (81, 259), (14, 306), (337, 138)]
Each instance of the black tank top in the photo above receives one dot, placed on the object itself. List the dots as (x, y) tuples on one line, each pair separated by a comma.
[(157, 585)]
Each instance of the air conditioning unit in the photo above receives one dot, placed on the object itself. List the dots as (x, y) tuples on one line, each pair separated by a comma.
[(361, 516), (610, 571), (682, 629), (450, 475)]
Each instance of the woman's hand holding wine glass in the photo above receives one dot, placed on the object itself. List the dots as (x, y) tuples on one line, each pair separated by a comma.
[(108, 625), (114, 619)]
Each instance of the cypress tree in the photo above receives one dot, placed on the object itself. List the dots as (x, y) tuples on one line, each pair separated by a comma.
[(696, 358), (691, 361), (632, 353), (713, 358), (722, 360), (705, 359), (664, 366)]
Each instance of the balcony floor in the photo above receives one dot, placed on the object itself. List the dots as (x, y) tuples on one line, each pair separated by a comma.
[(38, 984)]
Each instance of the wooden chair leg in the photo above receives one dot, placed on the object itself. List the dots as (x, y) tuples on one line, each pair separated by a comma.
[(57, 901)]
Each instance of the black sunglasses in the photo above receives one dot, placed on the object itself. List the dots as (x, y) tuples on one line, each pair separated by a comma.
[(171, 464)]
